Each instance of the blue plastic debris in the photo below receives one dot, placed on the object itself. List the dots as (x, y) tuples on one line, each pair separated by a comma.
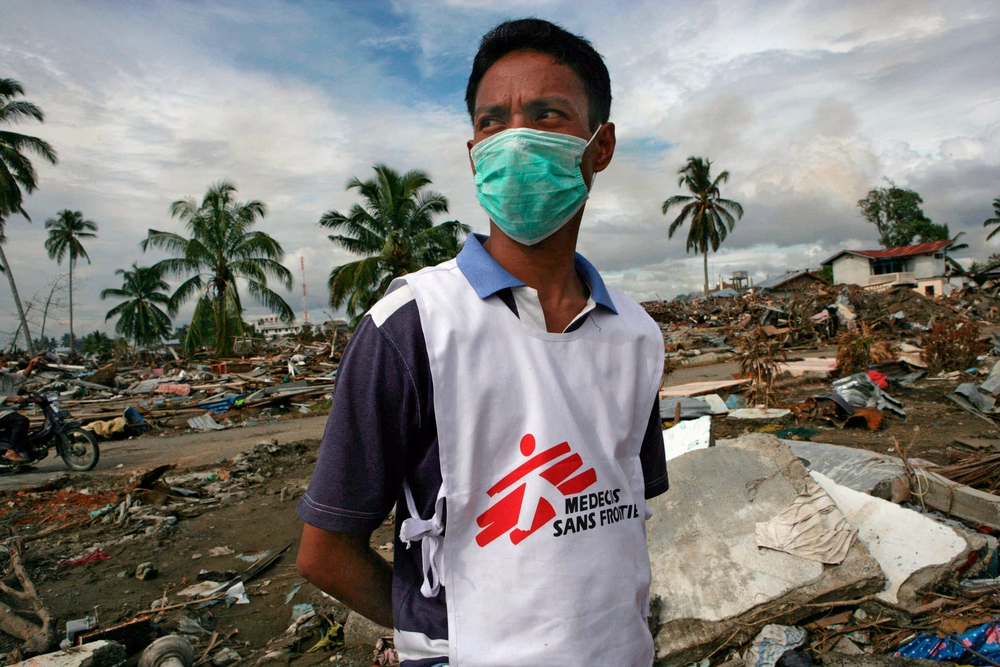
[(735, 402), (961, 649)]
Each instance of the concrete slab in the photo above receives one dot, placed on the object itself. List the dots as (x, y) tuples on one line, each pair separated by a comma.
[(709, 575), (884, 477), (916, 553), (700, 388), (95, 654), (856, 469)]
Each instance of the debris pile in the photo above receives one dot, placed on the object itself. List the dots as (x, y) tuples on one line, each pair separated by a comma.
[(128, 398), (759, 557)]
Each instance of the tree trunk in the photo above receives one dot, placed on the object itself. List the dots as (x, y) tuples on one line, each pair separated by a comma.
[(45, 313), (17, 300), (72, 338), (706, 272)]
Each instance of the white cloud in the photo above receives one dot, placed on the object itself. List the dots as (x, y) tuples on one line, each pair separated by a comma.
[(807, 104)]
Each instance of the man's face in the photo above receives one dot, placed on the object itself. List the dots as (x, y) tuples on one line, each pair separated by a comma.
[(534, 90)]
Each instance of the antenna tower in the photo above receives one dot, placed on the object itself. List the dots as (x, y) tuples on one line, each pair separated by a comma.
[(305, 310)]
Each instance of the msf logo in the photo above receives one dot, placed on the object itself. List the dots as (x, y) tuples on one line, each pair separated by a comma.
[(526, 486)]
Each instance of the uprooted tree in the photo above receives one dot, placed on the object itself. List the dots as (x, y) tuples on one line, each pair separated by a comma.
[(759, 361), (19, 599)]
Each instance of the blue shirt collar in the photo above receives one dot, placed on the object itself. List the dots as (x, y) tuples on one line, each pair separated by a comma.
[(487, 277)]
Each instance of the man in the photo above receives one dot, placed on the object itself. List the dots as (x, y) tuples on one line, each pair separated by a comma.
[(12, 421), (505, 402)]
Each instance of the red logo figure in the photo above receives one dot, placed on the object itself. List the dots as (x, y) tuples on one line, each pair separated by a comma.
[(503, 515)]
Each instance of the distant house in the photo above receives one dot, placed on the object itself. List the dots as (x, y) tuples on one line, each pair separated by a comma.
[(920, 266), (272, 327), (793, 281)]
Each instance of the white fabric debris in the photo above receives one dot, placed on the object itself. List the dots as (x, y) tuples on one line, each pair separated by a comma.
[(811, 527)]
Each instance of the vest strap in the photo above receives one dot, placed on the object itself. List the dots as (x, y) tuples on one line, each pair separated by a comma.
[(430, 534)]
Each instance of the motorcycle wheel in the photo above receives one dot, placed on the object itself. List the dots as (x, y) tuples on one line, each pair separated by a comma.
[(79, 450)]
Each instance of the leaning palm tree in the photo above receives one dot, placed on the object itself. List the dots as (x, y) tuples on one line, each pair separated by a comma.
[(141, 319), (710, 216), (222, 249), (17, 172), (393, 228), (995, 220), (65, 232)]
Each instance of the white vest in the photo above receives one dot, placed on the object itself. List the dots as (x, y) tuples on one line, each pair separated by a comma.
[(544, 559)]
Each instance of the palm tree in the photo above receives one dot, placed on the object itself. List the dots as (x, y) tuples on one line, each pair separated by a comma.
[(955, 247), (140, 318), (222, 249), (394, 230), (995, 220), (65, 232), (97, 343), (16, 172), (711, 217)]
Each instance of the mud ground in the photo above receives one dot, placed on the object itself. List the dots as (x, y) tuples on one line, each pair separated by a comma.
[(265, 520)]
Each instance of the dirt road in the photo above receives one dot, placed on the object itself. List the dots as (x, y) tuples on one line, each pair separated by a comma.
[(186, 450)]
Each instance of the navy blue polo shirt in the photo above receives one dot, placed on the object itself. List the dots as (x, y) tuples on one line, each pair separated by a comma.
[(382, 428)]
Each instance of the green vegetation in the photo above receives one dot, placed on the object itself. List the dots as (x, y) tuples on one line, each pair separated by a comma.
[(710, 216), (222, 249), (65, 232), (17, 172), (897, 215), (141, 320), (393, 229), (995, 220)]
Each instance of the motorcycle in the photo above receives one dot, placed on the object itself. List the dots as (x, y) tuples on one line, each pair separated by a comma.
[(78, 448)]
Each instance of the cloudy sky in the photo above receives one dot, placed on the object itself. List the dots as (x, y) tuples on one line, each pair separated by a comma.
[(807, 103)]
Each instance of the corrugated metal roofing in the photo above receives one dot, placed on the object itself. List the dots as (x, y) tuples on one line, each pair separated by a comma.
[(901, 251), (906, 250), (777, 281)]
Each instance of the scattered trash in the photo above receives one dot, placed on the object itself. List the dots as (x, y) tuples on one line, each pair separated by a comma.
[(204, 423), (811, 527), (238, 594), (687, 436), (145, 571), (95, 556), (771, 643), (980, 646), (253, 556)]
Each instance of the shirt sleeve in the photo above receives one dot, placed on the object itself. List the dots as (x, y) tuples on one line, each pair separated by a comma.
[(652, 455), (376, 413)]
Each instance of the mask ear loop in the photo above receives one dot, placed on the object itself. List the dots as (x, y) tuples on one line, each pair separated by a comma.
[(594, 136), (593, 177)]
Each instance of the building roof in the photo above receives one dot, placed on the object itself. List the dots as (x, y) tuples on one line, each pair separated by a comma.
[(778, 281), (901, 251)]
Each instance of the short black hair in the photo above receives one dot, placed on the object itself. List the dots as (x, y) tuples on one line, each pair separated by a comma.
[(572, 50)]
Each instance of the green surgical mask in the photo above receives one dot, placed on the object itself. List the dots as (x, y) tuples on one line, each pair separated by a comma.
[(529, 181)]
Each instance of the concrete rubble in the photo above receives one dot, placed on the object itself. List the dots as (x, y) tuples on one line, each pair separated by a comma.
[(95, 654), (709, 576), (915, 552)]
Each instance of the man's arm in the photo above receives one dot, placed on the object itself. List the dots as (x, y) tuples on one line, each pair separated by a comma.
[(345, 566), (31, 367), (380, 408)]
